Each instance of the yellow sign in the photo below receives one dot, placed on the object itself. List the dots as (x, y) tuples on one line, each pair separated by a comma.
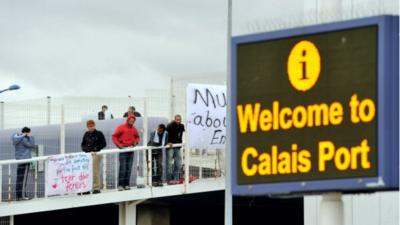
[(304, 65), (319, 122)]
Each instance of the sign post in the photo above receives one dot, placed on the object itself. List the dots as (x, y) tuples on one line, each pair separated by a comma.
[(331, 211)]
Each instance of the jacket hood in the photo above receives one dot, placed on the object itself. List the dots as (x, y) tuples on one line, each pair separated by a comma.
[(130, 117), (17, 138)]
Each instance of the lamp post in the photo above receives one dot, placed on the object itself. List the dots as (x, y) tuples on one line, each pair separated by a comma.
[(11, 88)]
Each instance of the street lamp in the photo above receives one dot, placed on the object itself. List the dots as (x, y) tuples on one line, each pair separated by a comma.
[(11, 88)]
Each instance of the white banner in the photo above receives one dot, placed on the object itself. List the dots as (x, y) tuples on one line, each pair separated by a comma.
[(206, 115), (70, 173)]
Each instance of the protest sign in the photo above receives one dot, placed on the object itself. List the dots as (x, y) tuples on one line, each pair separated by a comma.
[(70, 173), (206, 113)]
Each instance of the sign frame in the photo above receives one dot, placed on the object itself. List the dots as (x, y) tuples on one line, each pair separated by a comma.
[(388, 111)]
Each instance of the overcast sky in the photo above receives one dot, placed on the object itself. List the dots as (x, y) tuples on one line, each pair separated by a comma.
[(114, 48)]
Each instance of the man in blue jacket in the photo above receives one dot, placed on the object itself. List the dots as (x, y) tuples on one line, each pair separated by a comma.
[(24, 143)]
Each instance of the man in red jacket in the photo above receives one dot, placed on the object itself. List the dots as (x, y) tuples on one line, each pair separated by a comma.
[(125, 136)]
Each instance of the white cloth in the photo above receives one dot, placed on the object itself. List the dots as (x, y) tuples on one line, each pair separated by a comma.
[(107, 115), (156, 138)]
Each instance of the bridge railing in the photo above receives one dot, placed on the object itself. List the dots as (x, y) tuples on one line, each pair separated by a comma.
[(200, 165)]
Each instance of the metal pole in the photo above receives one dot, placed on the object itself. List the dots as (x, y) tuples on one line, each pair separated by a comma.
[(46, 162), (147, 172), (145, 121), (116, 164), (172, 110), (36, 178), (187, 168), (130, 100), (145, 138), (149, 163), (331, 209), (2, 115), (104, 185), (200, 167), (48, 110), (62, 131), (228, 191), (1, 183), (9, 182)]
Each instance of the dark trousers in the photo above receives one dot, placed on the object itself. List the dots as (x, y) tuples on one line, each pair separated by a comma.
[(156, 159), (125, 168), (22, 176)]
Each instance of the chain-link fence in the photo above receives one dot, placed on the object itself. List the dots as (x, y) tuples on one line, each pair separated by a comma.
[(44, 111), (315, 12)]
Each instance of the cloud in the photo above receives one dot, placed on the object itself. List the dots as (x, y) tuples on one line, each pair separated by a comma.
[(108, 48)]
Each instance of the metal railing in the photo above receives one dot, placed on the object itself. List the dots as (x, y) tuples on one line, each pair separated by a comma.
[(203, 166)]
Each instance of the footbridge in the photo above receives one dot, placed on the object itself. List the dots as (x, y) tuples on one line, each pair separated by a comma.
[(201, 172)]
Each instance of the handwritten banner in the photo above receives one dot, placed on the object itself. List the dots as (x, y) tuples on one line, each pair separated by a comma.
[(206, 113), (70, 173)]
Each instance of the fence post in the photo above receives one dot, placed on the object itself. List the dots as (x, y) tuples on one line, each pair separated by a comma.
[(36, 179), (2, 115), (187, 161), (172, 96), (1, 183), (145, 138), (48, 110), (104, 186), (46, 162), (116, 170), (62, 131), (9, 182), (130, 100), (145, 121), (149, 166)]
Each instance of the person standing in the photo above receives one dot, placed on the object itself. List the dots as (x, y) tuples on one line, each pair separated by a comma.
[(104, 114), (175, 132), (132, 111), (158, 138), (24, 143), (126, 135), (93, 141)]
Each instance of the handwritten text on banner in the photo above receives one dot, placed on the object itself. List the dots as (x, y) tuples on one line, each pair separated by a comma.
[(70, 173), (206, 112)]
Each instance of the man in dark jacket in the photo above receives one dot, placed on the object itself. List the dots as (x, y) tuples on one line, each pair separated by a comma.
[(24, 143), (132, 111), (126, 135), (93, 141), (175, 132), (158, 138)]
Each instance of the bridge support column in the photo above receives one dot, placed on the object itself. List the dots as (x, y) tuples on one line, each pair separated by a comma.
[(127, 212)]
